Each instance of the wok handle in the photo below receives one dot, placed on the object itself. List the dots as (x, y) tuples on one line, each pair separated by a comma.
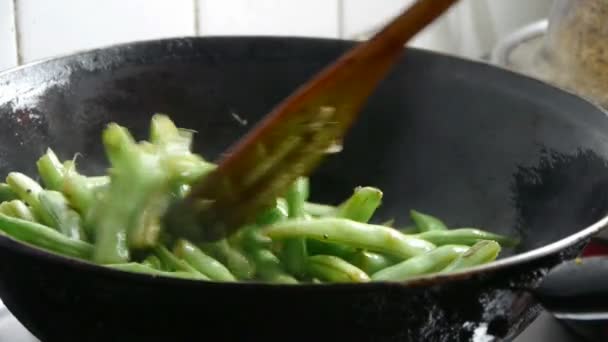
[(576, 293)]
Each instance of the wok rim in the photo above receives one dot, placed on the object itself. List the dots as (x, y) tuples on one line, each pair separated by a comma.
[(18, 246)]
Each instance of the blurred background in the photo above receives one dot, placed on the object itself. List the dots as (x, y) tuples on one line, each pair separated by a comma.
[(35, 29)]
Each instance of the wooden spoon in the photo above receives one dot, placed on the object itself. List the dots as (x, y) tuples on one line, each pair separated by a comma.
[(294, 137)]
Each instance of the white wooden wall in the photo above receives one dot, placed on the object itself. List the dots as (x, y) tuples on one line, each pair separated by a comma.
[(35, 29)]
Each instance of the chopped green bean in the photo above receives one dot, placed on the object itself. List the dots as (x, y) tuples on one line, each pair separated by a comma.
[(355, 234), (18, 209), (202, 262), (371, 262), (97, 181), (266, 264), (232, 258), (268, 267), (163, 132), (67, 221), (464, 236), (361, 205), (172, 263), (153, 261), (480, 253), (6, 193), (333, 269), (319, 210), (75, 188), (389, 223), (316, 247), (293, 240), (294, 249), (146, 232), (279, 212), (409, 230), (44, 236), (136, 176), (29, 190), (51, 170), (426, 222), (429, 262)]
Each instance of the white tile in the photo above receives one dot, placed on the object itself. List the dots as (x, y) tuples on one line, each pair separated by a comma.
[(470, 29), (314, 18), (510, 15), (61, 26), (360, 16), (8, 50)]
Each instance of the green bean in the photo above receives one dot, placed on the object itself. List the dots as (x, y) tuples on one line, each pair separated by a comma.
[(268, 267), (163, 132), (6, 209), (181, 190), (278, 212), (18, 209), (266, 264), (64, 218), (231, 257), (316, 247), (296, 196), (181, 165), (355, 234), (172, 263), (480, 253), (202, 262), (294, 252), (319, 210), (29, 190), (6, 193), (389, 223), (292, 240), (153, 261), (136, 177), (361, 205), (464, 236), (186, 169), (426, 222), (50, 170), (427, 263), (333, 269), (371, 262), (44, 237), (141, 268), (409, 230), (79, 194), (97, 181), (250, 237), (146, 232)]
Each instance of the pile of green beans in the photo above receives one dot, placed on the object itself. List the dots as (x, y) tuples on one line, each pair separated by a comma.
[(114, 220)]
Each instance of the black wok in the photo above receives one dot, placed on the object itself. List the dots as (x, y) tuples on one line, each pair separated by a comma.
[(468, 142)]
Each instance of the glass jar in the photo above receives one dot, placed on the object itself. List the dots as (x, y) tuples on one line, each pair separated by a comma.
[(569, 49), (576, 47)]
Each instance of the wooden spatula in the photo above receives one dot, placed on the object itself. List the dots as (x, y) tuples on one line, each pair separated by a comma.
[(293, 139)]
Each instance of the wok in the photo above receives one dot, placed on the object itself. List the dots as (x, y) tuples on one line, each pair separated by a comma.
[(468, 142)]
